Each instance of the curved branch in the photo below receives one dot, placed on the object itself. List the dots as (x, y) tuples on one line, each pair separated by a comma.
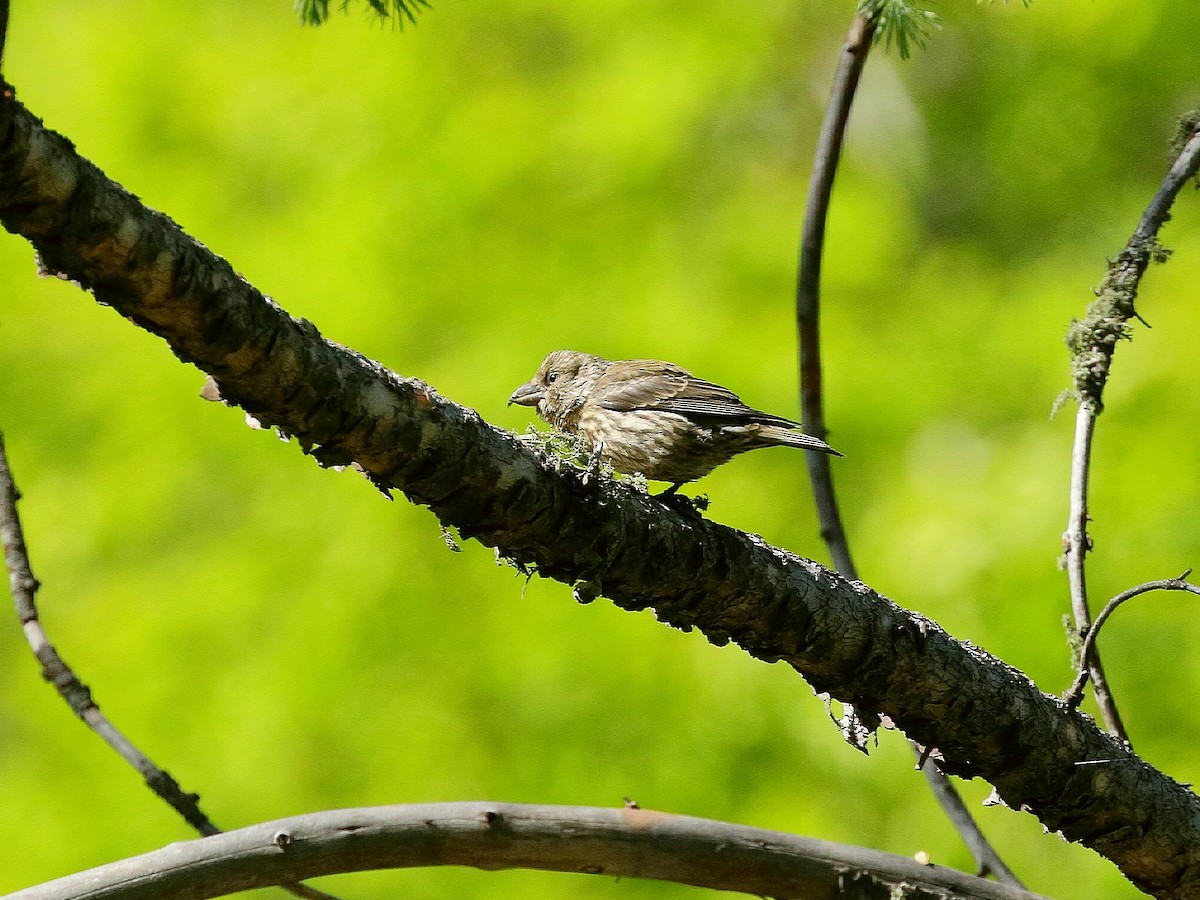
[(808, 283), (4, 4), (851, 62), (1093, 342), (24, 587), (1078, 543), (986, 719), (1074, 696), (632, 843)]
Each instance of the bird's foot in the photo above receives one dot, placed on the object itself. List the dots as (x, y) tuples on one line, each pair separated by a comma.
[(592, 470), (688, 506)]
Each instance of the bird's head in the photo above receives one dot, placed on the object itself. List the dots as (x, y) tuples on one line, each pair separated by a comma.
[(560, 384)]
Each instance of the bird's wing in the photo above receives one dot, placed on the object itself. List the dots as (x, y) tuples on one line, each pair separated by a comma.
[(708, 400), (639, 384), (650, 384)]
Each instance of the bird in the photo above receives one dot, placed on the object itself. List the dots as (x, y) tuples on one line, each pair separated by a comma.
[(652, 417)]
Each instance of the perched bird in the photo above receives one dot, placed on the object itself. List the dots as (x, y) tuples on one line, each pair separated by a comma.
[(650, 416)]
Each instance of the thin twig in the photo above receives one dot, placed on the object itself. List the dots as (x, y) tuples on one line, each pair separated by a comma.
[(1077, 543), (3, 30), (1093, 342), (808, 283), (1074, 696), (24, 587), (808, 305), (987, 859)]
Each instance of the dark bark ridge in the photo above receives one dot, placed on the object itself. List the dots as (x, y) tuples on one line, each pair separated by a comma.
[(985, 718)]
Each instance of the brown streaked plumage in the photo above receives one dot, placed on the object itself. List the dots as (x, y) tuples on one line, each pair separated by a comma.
[(650, 416)]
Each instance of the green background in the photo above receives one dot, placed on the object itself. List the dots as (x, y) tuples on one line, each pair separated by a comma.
[(510, 177)]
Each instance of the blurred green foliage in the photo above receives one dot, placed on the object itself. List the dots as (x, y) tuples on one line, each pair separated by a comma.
[(316, 12), (506, 178)]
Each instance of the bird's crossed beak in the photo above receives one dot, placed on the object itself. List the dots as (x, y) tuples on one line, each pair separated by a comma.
[(527, 395)]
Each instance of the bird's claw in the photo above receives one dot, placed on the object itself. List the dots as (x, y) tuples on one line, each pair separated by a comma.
[(592, 470), (682, 504)]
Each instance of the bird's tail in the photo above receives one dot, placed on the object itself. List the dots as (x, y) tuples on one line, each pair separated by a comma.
[(789, 437)]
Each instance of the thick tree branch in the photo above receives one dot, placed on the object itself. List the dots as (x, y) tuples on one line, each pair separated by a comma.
[(985, 718), (630, 843)]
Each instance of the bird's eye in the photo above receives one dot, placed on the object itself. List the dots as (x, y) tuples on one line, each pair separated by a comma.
[(551, 378)]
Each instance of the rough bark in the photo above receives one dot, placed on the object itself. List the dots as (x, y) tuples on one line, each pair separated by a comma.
[(985, 718)]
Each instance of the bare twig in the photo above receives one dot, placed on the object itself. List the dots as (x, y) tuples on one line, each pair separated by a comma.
[(808, 282), (1074, 696), (1077, 543), (77, 695), (808, 305), (3, 30), (629, 842), (24, 587), (987, 860), (1093, 341)]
